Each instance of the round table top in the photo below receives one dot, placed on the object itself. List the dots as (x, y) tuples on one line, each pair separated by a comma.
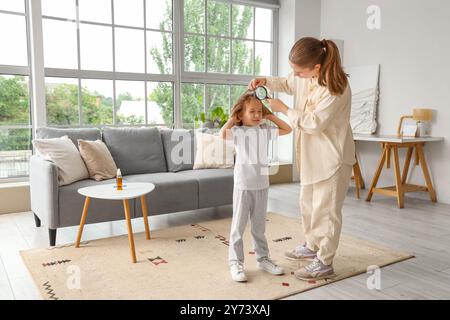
[(130, 190)]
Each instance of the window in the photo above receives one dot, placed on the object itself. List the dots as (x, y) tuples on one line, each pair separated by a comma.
[(108, 62), (15, 122), (224, 45), (125, 62), (97, 101), (192, 96), (131, 43), (61, 97), (197, 98), (234, 35)]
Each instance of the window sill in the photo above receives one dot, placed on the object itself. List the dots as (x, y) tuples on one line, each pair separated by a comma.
[(14, 184)]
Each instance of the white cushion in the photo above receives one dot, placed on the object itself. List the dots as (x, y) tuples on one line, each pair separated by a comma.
[(66, 157), (213, 152)]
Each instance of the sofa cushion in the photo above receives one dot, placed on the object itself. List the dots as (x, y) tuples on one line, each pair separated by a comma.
[(179, 146), (215, 186), (98, 159), (173, 192), (73, 133), (213, 152), (136, 150), (63, 153)]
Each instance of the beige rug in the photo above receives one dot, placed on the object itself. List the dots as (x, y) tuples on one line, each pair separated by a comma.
[(188, 262)]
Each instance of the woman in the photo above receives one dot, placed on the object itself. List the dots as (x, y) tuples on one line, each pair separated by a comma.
[(325, 149)]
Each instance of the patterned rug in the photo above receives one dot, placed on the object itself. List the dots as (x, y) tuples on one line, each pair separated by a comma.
[(188, 262)]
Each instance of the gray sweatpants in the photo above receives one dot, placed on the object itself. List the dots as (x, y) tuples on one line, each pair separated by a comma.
[(248, 204)]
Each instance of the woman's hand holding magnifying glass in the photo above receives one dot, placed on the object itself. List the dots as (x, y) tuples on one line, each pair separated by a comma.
[(257, 83)]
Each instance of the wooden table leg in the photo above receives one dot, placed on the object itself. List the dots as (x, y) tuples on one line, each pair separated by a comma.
[(145, 215), (377, 174), (407, 163), (358, 174), (388, 156), (83, 220), (426, 174), (398, 179), (361, 180), (126, 206), (416, 157), (355, 177)]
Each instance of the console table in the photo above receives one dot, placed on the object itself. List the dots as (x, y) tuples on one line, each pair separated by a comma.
[(393, 143)]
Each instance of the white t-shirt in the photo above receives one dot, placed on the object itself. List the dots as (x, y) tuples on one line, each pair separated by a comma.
[(251, 168)]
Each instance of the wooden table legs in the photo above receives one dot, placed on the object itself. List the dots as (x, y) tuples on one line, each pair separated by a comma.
[(83, 220), (377, 173), (401, 185), (357, 176), (398, 180), (426, 174), (145, 216), (126, 207)]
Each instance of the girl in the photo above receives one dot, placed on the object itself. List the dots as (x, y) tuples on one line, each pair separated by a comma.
[(325, 149), (251, 180)]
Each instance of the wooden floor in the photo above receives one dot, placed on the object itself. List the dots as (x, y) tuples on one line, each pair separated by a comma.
[(422, 228)]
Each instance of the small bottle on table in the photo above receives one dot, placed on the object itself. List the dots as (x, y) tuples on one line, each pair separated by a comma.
[(119, 180)]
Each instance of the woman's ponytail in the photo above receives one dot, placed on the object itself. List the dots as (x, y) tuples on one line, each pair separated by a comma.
[(331, 73), (308, 52)]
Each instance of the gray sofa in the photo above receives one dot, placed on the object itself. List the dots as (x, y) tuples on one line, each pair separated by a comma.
[(143, 155)]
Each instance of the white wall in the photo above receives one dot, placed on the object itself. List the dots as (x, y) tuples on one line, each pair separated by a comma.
[(413, 49), (298, 18), (286, 36)]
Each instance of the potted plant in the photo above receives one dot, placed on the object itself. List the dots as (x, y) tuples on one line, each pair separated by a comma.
[(216, 118)]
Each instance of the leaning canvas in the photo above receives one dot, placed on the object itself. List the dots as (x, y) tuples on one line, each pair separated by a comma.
[(365, 93)]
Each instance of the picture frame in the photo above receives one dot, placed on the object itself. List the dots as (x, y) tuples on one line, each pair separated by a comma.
[(409, 130)]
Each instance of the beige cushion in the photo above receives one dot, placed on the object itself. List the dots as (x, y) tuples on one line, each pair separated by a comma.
[(213, 152), (66, 157), (98, 159)]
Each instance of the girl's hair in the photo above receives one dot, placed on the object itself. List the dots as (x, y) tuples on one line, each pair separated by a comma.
[(307, 52), (242, 102)]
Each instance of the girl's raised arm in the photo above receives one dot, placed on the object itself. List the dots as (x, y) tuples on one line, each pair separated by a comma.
[(225, 132)]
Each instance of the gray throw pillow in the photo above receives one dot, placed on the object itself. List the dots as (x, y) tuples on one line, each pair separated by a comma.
[(136, 150), (178, 149), (73, 133)]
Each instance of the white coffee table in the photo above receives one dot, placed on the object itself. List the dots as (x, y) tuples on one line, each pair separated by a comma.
[(130, 190)]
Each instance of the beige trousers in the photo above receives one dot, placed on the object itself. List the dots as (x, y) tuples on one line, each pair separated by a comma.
[(321, 208)]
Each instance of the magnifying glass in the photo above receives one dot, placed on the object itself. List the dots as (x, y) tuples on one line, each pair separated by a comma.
[(262, 94)]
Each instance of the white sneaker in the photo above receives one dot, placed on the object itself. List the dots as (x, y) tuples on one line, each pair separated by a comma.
[(269, 266), (315, 271), (237, 272), (300, 253)]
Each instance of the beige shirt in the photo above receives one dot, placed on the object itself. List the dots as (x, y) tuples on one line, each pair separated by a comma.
[(321, 122)]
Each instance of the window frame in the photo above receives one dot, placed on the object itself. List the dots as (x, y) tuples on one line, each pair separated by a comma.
[(37, 72), (212, 78), (178, 75), (114, 75), (15, 70)]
